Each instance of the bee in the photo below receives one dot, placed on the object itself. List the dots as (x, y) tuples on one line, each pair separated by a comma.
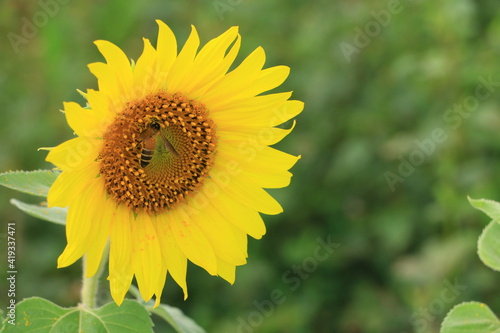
[(148, 139)]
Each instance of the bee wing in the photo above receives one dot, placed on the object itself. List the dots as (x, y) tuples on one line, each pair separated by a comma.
[(168, 145)]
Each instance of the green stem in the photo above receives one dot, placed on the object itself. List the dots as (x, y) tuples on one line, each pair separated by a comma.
[(91, 284)]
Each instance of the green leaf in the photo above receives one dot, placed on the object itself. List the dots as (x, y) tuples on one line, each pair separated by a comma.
[(490, 207), (41, 316), (53, 214), (31, 182), (177, 319), (488, 246), (129, 317), (470, 317)]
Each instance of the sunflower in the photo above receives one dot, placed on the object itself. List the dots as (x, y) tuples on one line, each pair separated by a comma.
[(170, 161)]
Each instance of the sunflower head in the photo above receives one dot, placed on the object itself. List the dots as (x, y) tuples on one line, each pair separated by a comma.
[(171, 160)]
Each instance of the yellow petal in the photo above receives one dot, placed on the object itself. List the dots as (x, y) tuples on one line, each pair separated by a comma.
[(159, 286), (249, 112), (69, 184), (146, 256), (209, 63), (85, 122), (219, 70), (264, 179), (286, 111), (262, 158), (78, 224), (158, 289), (252, 195), (99, 102), (263, 136), (118, 63), (230, 87), (99, 234), (226, 271), (173, 257), (120, 249), (278, 180), (145, 72), (221, 236), (166, 47), (266, 79), (182, 64), (108, 85), (75, 153), (192, 241), (246, 219), (265, 112)]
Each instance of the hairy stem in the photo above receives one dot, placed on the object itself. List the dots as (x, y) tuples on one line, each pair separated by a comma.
[(91, 284)]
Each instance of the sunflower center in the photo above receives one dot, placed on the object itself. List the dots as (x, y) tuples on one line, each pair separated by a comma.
[(157, 152)]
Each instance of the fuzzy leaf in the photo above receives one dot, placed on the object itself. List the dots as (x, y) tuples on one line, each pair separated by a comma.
[(32, 182), (488, 246), (53, 214), (41, 316), (490, 207), (470, 317)]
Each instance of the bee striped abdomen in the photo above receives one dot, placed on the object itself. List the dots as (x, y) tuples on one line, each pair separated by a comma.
[(148, 150)]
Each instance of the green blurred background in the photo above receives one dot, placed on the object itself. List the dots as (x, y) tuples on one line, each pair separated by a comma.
[(375, 90)]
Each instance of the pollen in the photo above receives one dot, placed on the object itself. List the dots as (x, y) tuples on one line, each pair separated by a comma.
[(157, 152)]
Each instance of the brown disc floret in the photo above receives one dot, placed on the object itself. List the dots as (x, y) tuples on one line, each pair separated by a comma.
[(157, 152)]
